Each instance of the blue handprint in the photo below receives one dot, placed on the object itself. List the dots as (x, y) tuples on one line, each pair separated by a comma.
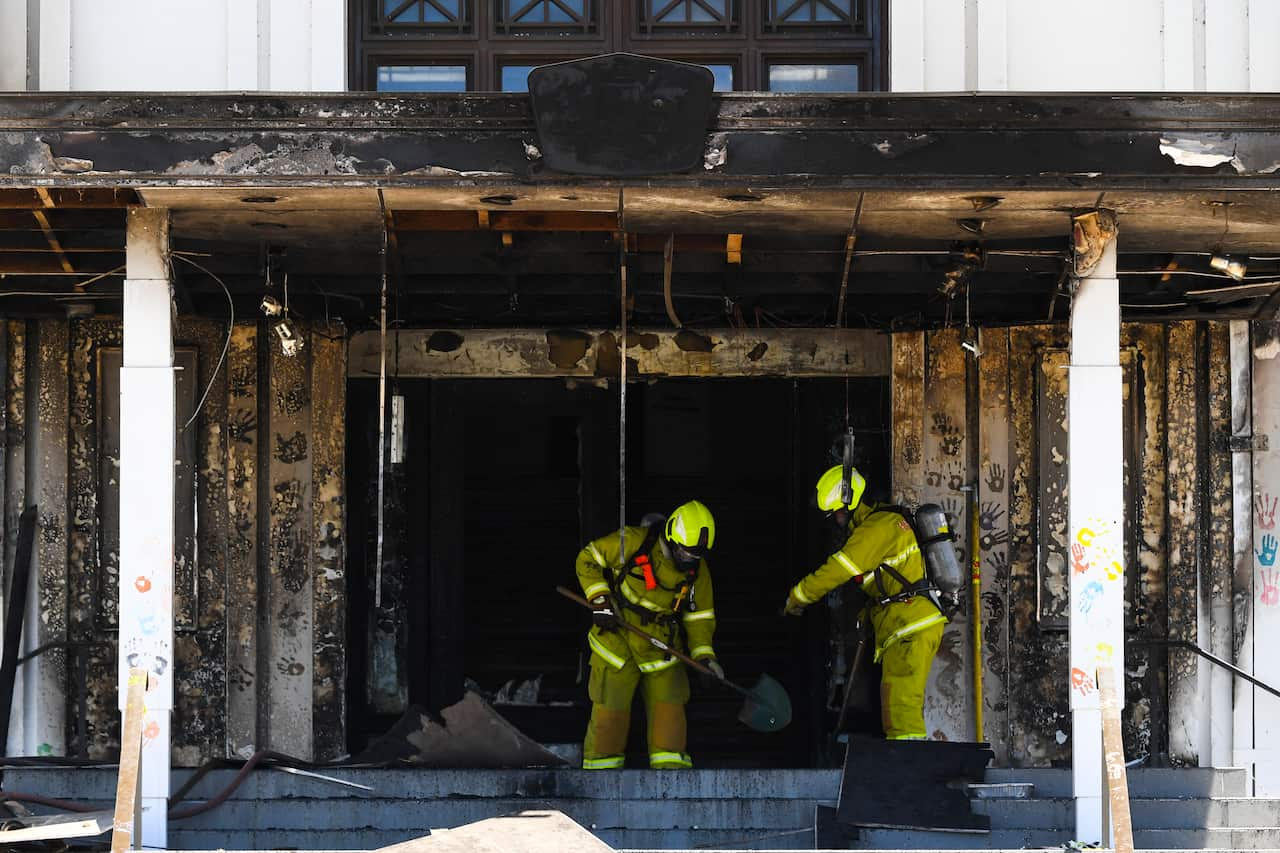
[(1088, 596), (1270, 546)]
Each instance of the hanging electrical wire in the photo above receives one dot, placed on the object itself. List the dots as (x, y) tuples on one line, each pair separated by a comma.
[(622, 376), (226, 344), (382, 409), (668, 258)]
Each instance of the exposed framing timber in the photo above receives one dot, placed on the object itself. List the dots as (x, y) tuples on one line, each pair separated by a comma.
[(481, 353), (50, 237)]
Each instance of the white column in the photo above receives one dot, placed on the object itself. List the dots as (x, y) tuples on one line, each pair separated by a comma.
[(55, 45), (906, 45), (13, 47), (992, 46), (242, 45), (1096, 522), (147, 453)]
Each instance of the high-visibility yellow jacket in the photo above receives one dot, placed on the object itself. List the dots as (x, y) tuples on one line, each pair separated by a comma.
[(875, 537), (697, 614)]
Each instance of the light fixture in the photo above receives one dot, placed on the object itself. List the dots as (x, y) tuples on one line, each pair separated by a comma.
[(1229, 265), (271, 306), (290, 341)]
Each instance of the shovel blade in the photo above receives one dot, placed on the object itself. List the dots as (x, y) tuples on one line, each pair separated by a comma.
[(768, 709)]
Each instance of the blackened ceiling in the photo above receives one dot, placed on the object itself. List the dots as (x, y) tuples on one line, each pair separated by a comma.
[(953, 207)]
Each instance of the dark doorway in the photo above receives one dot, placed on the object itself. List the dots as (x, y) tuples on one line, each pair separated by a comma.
[(517, 475)]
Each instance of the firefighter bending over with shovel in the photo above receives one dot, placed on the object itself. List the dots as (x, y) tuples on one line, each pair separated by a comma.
[(885, 558), (661, 586)]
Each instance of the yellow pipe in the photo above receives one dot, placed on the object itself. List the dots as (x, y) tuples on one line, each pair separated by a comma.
[(975, 599)]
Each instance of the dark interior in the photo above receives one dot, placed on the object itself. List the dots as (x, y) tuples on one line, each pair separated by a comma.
[(503, 483)]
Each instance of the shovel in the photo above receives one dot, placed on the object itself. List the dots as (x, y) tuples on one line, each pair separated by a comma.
[(767, 707)]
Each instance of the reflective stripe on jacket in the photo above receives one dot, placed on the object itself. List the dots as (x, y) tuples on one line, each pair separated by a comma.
[(618, 646)]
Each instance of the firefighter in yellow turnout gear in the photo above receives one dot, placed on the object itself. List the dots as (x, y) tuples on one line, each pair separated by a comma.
[(880, 553), (661, 585)]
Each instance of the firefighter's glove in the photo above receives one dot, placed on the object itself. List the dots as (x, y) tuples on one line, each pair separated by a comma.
[(793, 606), (602, 615), (713, 665)]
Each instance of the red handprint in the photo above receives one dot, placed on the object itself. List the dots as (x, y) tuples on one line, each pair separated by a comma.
[(1270, 587), (1081, 681), (1078, 565), (1266, 512)]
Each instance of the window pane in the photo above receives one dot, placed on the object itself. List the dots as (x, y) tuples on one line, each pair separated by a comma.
[(815, 11), (724, 77), (553, 11), (687, 11), (515, 78), (813, 78), (426, 11), (422, 78)]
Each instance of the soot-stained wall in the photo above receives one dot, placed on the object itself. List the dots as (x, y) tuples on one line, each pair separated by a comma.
[(1177, 539), (260, 605)]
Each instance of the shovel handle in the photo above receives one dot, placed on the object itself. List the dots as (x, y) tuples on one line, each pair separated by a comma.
[(658, 644)]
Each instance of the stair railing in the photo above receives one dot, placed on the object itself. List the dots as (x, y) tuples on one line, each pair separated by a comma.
[(1211, 658)]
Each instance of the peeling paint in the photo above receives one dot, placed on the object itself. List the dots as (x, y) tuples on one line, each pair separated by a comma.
[(567, 347), (690, 341), (444, 341)]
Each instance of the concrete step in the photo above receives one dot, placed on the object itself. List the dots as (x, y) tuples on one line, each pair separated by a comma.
[(421, 784), (1158, 782), (1255, 838), (729, 814), (1059, 813)]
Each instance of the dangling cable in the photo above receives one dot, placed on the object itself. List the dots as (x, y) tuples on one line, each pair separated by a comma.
[(622, 380), (668, 257), (382, 413), (850, 242)]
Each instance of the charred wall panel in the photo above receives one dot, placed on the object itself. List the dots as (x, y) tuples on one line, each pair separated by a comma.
[(1164, 443), (948, 704), (242, 538), (48, 672), (1039, 720), (15, 477), (1216, 571), (328, 497), (200, 643), (908, 427), (73, 392), (993, 523), (285, 617)]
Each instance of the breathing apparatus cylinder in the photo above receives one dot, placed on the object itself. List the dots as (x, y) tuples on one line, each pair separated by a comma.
[(937, 542)]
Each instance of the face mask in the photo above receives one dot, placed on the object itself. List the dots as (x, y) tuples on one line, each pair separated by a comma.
[(685, 561)]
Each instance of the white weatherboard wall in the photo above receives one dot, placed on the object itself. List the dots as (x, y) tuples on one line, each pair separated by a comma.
[(1258, 745), (1084, 45), (173, 45)]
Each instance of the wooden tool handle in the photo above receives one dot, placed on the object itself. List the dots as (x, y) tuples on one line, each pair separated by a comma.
[(653, 641)]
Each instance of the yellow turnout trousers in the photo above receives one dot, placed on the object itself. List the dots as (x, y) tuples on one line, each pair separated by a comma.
[(665, 693), (904, 674)]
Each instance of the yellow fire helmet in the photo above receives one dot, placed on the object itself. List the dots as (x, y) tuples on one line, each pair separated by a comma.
[(829, 489), (692, 526)]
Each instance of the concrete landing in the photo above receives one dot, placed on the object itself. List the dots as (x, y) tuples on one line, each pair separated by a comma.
[(641, 810)]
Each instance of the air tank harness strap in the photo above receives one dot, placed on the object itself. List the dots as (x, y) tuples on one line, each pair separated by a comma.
[(640, 560), (908, 590)]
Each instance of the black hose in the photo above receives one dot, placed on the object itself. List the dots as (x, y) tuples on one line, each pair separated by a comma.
[(264, 757)]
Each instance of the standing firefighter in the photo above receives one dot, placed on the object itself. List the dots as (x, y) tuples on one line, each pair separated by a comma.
[(882, 555), (661, 586)]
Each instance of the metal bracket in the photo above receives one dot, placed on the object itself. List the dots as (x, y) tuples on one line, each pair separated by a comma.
[(1256, 443)]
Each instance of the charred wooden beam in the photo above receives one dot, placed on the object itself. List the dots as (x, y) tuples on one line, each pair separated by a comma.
[(982, 142), (89, 197), (478, 353)]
